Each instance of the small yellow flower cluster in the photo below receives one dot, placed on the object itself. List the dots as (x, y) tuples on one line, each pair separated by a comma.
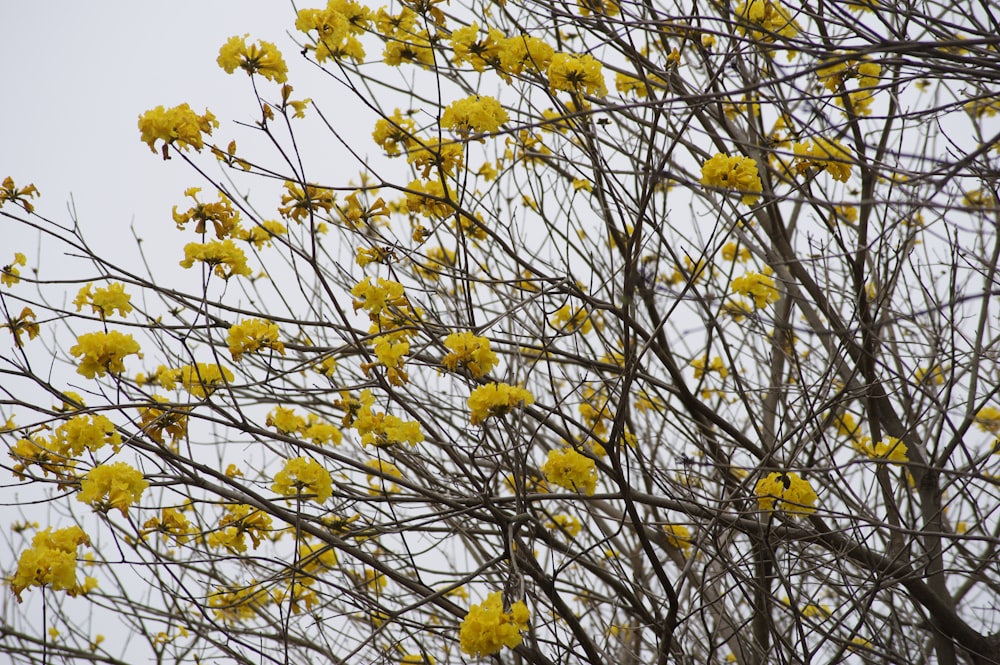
[(572, 320), (114, 485), (261, 234), (303, 477), (154, 421), (565, 523), (576, 74), (179, 125), (430, 198), (11, 275), (224, 257), (439, 260), (758, 286), (390, 351), (238, 604), (51, 561), (522, 53), (487, 629), (377, 478), (171, 522), (262, 58), (103, 352), (10, 192), (733, 252), (252, 335), (468, 47), (496, 399), (568, 468), (163, 376), (104, 301), (823, 154), (702, 365), (787, 492), (337, 28), (203, 379), (299, 204), (362, 216), (380, 429), (605, 7), (238, 521), (224, 218), (770, 16), (56, 454), (736, 173), (678, 536), (626, 84), (404, 42), (984, 107), (834, 75), (23, 323), (890, 448), (596, 409), (394, 133), (471, 352), (474, 115), (315, 429), (988, 419)]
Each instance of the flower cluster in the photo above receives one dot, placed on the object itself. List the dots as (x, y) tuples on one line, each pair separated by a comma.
[(787, 492), (377, 428), (823, 154), (576, 74), (51, 561), (300, 203), (11, 275), (496, 399), (103, 352), (988, 419), (252, 335), (179, 126), (155, 420), (171, 522), (568, 468), (104, 301), (224, 218), (23, 324), (703, 365), (736, 173), (115, 485), (678, 536), (572, 320), (224, 257), (471, 352), (486, 629), (770, 16), (55, 454), (304, 476), (10, 192), (240, 520), (474, 115), (203, 379), (758, 286), (890, 449), (262, 58), (565, 523), (337, 28)]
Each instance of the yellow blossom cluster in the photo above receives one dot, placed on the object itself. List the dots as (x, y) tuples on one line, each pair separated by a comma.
[(300, 203), (471, 352), (988, 419), (11, 275), (237, 604), (565, 523), (224, 218), (569, 319), (606, 7), (359, 215), (823, 154), (772, 19), (224, 257), (703, 365), (23, 324), (834, 74), (576, 74), (19, 196), (735, 173), (51, 561), (496, 399), (252, 335), (238, 521), (337, 28), (678, 536), (312, 427), (524, 53), (260, 234), (786, 491), (114, 485), (439, 259), (104, 301), (733, 252), (303, 477), (474, 115), (55, 454), (261, 57), (430, 198), (890, 448), (404, 41), (394, 133), (381, 429), (179, 126), (171, 522), (390, 351), (480, 52), (203, 379), (377, 478), (103, 352), (487, 628), (155, 420), (163, 376), (568, 468), (758, 286)]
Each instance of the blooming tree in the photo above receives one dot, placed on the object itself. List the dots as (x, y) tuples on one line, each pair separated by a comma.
[(644, 333)]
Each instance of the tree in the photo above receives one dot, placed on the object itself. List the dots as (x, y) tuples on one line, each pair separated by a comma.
[(651, 333)]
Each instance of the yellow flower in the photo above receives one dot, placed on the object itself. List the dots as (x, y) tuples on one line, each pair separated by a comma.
[(224, 218), (304, 476), (262, 58), (773, 19), (11, 275), (568, 468), (572, 320), (50, 561), (115, 485), (758, 286), (577, 74), (471, 352), (103, 352), (105, 301), (203, 379), (678, 536), (988, 419), (496, 399), (733, 252), (480, 53), (23, 323), (787, 492), (300, 203), (10, 192), (565, 523), (154, 421), (179, 125), (702, 365), (394, 132), (285, 420), (824, 154), (252, 335), (474, 115), (486, 629), (238, 521), (226, 259), (523, 52), (890, 449), (736, 173)]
